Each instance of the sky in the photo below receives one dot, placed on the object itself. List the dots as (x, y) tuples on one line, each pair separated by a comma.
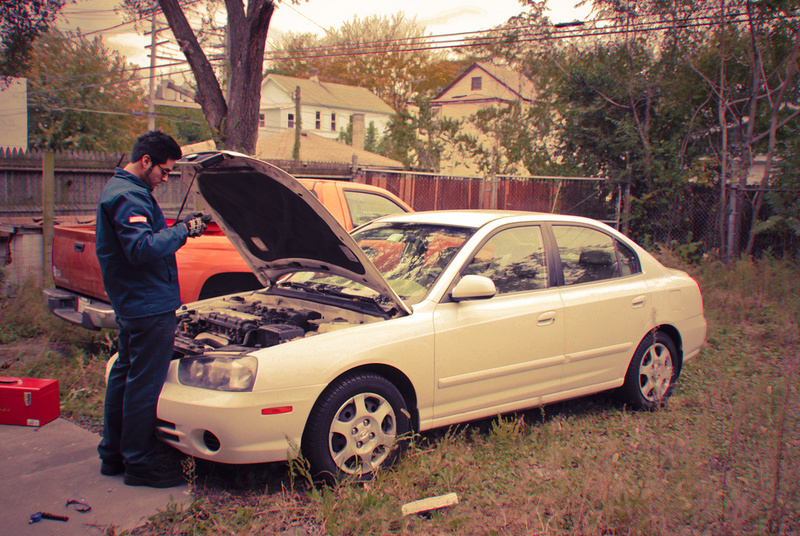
[(438, 16)]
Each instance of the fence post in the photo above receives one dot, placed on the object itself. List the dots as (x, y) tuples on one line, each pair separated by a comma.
[(48, 215)]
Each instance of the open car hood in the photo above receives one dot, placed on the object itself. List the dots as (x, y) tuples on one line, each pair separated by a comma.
[(276, 224)]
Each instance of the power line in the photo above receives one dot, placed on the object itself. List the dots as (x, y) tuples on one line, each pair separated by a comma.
[(423, 43)]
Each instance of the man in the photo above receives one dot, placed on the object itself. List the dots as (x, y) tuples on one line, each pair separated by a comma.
[(136, 252)]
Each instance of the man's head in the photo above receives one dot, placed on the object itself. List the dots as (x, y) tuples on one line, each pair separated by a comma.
[(153, 157)]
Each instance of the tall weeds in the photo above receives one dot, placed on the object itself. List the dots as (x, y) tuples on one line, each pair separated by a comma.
[(722, 458)]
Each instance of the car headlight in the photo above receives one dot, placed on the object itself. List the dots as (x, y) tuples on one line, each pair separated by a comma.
[(220, 373)]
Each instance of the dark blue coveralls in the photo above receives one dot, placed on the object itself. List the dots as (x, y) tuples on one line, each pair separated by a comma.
[(136, 252)]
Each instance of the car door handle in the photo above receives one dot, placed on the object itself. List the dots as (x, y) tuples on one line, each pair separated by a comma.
[(545, 319), (638, 301), (79, 246)]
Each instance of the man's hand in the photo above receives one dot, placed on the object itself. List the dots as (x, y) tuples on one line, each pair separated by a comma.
[(196, 223)]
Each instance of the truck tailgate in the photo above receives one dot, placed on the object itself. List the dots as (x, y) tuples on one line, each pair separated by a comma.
[(75, 266)]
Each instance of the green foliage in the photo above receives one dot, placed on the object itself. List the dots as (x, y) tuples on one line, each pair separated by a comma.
[(508, 140), (371, 141), (417, 138), (690, 252), (186, 125), (782, 221), (394, 74), (81, 95), (21, 22)]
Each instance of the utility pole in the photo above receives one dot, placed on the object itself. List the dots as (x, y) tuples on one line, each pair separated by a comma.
[(151, 115), (297, 126), (154, 31)]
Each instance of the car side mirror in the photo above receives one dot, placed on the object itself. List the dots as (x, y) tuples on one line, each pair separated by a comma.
[(473, 287)]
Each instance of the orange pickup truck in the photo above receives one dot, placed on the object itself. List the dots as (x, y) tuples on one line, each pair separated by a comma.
[(208, 266)]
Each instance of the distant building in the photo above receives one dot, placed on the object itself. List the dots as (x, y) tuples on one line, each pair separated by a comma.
[(326, 108), (314, 148), (482, 85), (168, 93), (14, 111)]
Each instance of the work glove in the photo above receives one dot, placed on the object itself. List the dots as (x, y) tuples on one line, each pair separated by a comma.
[(196, 223)]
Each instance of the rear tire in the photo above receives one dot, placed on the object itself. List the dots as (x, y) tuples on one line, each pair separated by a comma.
[(357, 426), (652, 372)]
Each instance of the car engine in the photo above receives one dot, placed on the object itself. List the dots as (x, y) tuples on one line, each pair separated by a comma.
[(254, 320)]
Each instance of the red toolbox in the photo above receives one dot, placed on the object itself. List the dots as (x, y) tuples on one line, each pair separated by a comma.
[(28, 401)]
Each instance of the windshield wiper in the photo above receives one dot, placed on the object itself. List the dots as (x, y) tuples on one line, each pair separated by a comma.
[(308, 287)]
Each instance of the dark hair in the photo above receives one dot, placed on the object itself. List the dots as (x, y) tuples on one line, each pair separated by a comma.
[(158, 146)]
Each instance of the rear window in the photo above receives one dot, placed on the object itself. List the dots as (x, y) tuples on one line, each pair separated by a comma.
[(590, 255)]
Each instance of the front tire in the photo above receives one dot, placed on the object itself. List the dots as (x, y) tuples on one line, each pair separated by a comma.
[(651, 373), (354, 427)]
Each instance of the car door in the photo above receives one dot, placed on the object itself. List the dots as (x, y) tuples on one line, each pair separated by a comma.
[(506, 351), (607, 306)]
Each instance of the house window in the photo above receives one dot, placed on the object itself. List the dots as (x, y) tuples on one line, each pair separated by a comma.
[(319, 120), (333, 122), (477, 82), (291, 120), (262, 120)]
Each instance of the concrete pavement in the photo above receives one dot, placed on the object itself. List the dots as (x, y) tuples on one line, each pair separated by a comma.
[(43, 468)]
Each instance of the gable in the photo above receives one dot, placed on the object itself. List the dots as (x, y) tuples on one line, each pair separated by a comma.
[(485, 82)]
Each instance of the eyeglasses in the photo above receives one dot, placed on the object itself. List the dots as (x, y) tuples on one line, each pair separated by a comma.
[(162, 170)]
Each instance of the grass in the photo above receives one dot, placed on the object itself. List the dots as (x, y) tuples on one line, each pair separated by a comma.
[(722, 458), (38, 345)]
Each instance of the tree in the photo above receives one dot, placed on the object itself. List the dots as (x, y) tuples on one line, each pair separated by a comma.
[(81, 95), (509, 140), (744, 55), (21, 22), (417, 138), (383, 54), (233, 119)]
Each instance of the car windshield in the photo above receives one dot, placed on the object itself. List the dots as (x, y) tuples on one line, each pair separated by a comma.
[(410, 256)]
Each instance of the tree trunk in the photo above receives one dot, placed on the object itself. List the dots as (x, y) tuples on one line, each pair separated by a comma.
[(248, 34), (209, 93), (233, 123), (777, 105)]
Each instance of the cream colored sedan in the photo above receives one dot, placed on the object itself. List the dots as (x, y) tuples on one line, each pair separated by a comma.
[(412, 322)]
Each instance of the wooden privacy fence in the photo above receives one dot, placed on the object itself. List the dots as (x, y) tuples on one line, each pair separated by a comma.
[(579, 196), (79, 178), (39, 189)]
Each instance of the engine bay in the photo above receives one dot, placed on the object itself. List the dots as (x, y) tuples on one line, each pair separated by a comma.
[(256, 319)]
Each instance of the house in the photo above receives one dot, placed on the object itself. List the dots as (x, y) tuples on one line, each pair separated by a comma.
[(279, 148), (326, 108), (481, 85), (14, 110)]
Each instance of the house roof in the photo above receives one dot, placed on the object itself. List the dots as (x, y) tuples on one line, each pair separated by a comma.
[(330, 95), (516, 82), (315, 148)]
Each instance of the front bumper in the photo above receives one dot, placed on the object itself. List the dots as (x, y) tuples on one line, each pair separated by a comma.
[(230, 427), (80, 310)]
